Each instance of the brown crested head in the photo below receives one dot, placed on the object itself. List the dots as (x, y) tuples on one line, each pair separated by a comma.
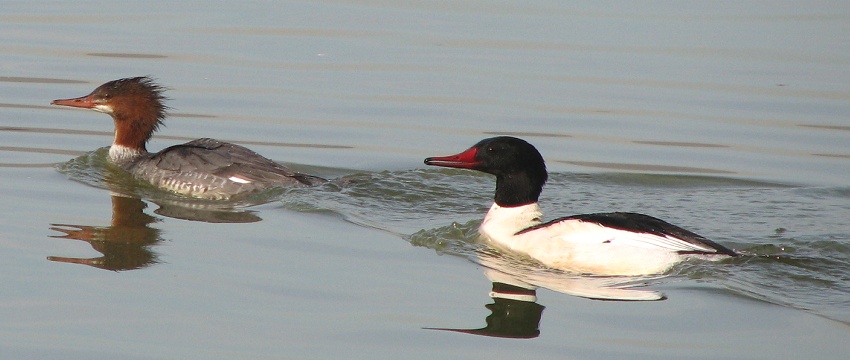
[(136, 104)]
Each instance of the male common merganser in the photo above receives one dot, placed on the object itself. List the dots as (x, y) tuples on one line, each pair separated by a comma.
[(202, 168), (618, 243)]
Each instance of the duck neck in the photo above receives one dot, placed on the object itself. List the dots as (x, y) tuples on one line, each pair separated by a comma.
[(518, 189), (130, 139)]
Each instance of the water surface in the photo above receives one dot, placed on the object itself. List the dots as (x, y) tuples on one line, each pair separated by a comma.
[(729, 121)]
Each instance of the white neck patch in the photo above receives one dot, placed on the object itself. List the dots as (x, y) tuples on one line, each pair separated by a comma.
[(120, 154), (106, 109)]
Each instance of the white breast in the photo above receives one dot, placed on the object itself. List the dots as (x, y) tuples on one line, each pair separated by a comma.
[(501, 223), (122, 155)]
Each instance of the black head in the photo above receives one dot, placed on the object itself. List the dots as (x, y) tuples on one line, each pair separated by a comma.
[(519, 168)]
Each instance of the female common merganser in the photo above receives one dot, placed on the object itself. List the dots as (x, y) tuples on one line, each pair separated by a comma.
[(202, 168), (617, 243)]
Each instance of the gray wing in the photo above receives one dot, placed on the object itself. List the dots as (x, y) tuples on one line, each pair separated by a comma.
[(229, 161)]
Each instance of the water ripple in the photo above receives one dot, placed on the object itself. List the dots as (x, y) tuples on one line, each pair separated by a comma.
[(799, 261)]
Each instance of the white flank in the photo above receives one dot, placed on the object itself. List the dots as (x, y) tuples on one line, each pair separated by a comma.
[(578, 246)]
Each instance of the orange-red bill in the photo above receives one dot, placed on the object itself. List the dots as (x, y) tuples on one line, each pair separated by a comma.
[(86, 102), (464, 160)]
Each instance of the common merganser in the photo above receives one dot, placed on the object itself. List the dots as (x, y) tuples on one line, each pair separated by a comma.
[(203, 168), (618, 243)]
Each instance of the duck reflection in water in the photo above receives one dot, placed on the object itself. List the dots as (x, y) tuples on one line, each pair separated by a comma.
[(515, 312), (125, 243)]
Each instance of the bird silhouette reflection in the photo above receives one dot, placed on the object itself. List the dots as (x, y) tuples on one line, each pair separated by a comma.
[(125, 243)]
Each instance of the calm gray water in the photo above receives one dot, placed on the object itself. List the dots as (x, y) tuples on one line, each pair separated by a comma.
[(728, 120)]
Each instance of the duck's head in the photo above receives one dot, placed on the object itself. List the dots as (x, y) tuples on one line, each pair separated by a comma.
[(135, 104), (519, 168)]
